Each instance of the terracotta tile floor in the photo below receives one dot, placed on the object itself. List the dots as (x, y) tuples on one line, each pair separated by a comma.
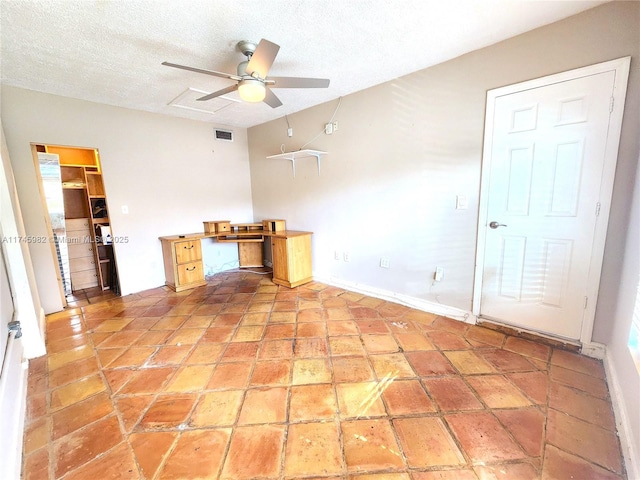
[(242, 379)]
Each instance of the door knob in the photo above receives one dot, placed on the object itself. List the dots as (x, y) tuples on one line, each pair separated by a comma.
[(495, 225)]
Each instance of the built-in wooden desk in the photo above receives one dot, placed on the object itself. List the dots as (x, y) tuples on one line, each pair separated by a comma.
[(290, 252)]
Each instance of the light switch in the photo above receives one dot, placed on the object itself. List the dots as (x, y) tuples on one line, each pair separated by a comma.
[(125, 209), (461, 202)]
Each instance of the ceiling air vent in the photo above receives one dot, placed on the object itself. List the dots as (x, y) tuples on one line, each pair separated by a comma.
[(225, 135)]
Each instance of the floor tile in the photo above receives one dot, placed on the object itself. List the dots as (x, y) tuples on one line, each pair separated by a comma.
[(592, 385), (273, 349), (468, 362), (276, 372), (581, 405), (197, 454), (414, 342), (312, 449), (506, 361), (36, 465), (342, 327), (380, 343), (264, 405), (407, 397), (452, 394), (527, 348), (240, 351), (497, 392), (527, 427), (578, 363), (451, 475), (507, 471), (167, 411), (191, 378), (311, 402), (584, 439), (260, 443), (370, 445), (79, 414), (73, 371), (116, 463), (485, 335), (310, 348), (230, 376), (76, 391), (428, 364), (60, 359), (559, 464), (81, 446), (533, 384), (346, 345), (496, 444), (351, 369), (150, 449), (448, 340), (427, 434), (391, 365), (360, 399), (131, 408), (307, 371), (245, 379)]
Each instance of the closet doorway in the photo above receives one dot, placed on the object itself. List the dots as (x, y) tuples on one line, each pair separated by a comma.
[(75, 199)]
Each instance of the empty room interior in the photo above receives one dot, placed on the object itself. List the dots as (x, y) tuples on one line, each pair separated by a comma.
[(320, 240)]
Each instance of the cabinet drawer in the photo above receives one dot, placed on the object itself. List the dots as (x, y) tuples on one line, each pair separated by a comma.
[(80, 250), (82, 263), (188, 251), (77, 224), (84, 279), (190, 273)]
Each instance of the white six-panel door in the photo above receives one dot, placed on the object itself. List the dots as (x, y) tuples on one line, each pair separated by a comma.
[(543, 175)]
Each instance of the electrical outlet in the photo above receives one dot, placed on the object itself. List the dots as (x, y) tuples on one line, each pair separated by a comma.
[(439, 275), (328, 128), (290, 132), (346, 256), (385, 262), (461, 202), (335, 126), (337, 255)]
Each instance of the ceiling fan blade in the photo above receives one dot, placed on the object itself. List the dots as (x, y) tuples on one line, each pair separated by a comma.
[(271, 99), (262, 58), (298, 82), (201, 70), (230, 89)]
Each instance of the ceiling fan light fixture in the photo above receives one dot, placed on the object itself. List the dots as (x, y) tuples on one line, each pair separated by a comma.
[(251, 90)]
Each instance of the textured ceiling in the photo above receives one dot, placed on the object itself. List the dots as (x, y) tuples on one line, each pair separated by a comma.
[(111, 51)]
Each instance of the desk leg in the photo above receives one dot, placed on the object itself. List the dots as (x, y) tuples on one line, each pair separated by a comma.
[(250, 254)]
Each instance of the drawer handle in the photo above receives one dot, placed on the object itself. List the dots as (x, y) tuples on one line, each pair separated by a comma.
[(189, 248), (190, 269)]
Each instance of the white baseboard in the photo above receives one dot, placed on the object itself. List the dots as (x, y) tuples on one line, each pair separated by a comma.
[(594, 350), (627, 442), (406, 300)]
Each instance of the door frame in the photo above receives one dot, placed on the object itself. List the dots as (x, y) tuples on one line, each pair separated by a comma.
[(621, 68)]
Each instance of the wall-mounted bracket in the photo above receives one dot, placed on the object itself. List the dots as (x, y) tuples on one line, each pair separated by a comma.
[(293, 156)]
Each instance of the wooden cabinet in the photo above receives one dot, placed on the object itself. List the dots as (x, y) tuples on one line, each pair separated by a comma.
[(85, 203), (82, 263), (183, 263), (291, 255)]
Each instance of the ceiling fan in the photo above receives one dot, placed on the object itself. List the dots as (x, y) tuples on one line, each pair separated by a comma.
[(253, 85)]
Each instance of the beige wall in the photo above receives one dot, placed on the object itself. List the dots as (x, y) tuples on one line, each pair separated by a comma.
[(406, 148), (167, 171)]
